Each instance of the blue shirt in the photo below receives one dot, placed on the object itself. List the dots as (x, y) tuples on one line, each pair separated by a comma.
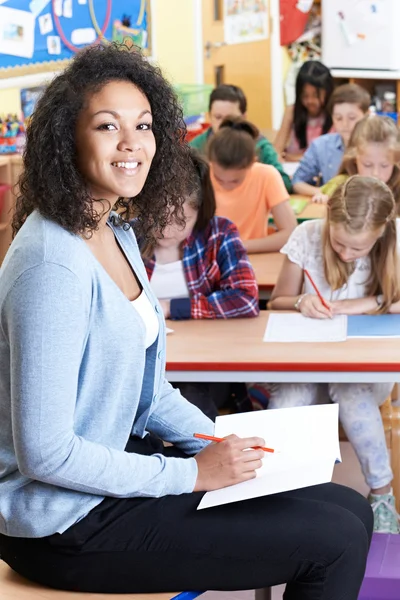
[(322, 158), (75, 382)]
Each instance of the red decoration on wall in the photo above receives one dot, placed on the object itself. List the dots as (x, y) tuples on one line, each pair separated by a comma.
[(293, 21)]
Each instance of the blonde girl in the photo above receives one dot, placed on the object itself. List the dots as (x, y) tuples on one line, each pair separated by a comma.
[(373, 151), (352, 256)]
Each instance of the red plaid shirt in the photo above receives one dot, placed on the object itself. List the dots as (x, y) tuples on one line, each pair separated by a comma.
[(219, 276)]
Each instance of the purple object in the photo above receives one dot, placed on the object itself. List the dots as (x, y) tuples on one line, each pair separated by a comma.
[(382, 577)]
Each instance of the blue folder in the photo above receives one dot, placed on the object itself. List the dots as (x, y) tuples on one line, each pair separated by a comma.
[(373, 326)]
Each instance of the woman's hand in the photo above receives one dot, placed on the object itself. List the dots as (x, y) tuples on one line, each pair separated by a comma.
[(225, 463), (311, 306), (357, 306), (320, 198)]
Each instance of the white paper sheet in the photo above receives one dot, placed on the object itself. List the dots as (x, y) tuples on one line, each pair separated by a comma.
[(306, 441), (290, 168), (168, 330), (45, 24), (17, 32), (87, 35), (293, 327)]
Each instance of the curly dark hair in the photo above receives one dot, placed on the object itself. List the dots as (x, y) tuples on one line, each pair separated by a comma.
[(51, 181)]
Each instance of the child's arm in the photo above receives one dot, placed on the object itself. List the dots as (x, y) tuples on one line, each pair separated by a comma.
[(307, 175), (285, 222), (361, 306), (267, 155), (235, 292), (288, 291), (283, 135)]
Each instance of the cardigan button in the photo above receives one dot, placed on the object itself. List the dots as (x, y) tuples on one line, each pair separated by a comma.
[(157, 308), (160, 354)]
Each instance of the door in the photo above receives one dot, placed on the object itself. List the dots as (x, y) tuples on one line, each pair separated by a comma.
[(245, 64)]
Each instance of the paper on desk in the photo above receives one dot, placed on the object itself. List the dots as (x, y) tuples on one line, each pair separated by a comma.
[(373, 326), (168, 330), (290, 168), (308, 443), (293, 327)]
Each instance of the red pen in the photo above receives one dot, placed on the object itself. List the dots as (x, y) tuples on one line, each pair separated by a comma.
[(211, 438), (316, 289)]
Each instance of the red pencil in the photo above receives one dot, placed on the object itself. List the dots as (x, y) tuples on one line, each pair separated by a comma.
[(316, 289), (211, 438)]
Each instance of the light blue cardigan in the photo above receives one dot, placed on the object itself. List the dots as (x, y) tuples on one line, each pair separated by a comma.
[(75, 382)]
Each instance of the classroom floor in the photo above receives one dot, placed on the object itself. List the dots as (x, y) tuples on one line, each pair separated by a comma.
[(347, 473)]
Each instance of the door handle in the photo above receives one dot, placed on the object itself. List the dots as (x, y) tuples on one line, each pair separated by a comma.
[(210, 45)]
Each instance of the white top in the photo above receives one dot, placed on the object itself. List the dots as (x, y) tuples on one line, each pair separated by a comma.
[(304, 248), (145, 309), (169, 281)]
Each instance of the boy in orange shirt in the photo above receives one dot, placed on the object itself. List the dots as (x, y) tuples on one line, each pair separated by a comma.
[(247, 191)]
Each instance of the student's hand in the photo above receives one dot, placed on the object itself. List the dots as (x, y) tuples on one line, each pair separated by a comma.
[(166, 308), (228, 462), (357, 306), (311, 306), (320, 198)]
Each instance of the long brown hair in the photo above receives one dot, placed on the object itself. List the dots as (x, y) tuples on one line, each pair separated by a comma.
[(375, 130), (234, 144), (360, 204)]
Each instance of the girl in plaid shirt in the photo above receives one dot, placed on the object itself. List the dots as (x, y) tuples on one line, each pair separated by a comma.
[(200, 270)]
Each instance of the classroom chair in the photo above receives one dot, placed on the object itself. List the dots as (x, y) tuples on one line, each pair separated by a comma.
[(391, 422), (15, 587)]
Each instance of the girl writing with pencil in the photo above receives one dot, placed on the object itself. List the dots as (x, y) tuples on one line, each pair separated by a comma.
[(347, 264)]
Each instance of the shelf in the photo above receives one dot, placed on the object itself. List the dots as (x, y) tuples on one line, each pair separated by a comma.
[(365, 74)]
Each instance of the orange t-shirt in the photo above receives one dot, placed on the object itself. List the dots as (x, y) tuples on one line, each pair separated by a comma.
[(249, 205)]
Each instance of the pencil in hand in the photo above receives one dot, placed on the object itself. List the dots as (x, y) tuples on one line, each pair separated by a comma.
[(211, 438), (316, 289)]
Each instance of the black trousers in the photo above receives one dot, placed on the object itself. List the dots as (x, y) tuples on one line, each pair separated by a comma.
[(211, 396), (316, 540)]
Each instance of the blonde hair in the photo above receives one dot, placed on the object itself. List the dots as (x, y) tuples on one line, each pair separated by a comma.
[(365, 204), (374, 129)]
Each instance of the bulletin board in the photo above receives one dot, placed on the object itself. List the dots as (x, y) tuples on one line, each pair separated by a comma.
[(42, 35)]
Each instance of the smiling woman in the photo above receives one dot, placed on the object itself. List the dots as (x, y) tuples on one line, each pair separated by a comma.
[(67, 130)]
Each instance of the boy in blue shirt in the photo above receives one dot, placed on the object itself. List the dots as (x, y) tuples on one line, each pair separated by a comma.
[(320, 163)]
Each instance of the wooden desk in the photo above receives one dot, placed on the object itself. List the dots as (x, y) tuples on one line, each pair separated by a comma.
[(266, 267), (233, 350)]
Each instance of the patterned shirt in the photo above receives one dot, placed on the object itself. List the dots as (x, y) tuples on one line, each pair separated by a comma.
[(219, 276)]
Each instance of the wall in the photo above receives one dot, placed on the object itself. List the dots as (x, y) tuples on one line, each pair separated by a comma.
[(175, 39), (9, 101), (174, 46)]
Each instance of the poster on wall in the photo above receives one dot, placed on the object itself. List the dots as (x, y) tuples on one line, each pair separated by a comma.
[(42, 35), (245, 21)]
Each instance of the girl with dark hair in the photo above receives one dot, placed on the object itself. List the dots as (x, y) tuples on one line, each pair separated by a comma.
[(309, 117), (246, 191), (90, 499)]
